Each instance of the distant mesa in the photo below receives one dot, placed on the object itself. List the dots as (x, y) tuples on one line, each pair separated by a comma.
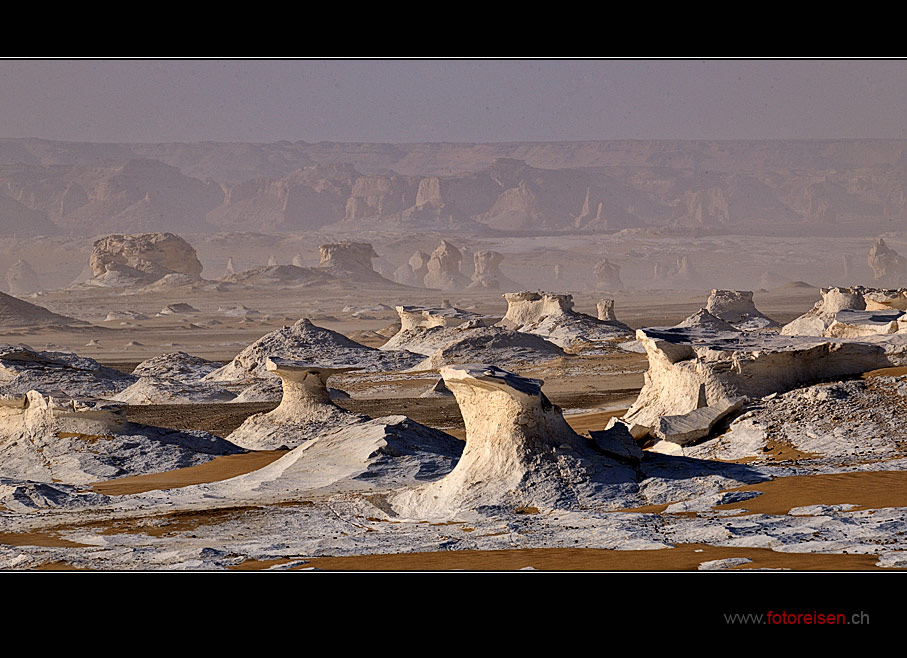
[(143, 259)]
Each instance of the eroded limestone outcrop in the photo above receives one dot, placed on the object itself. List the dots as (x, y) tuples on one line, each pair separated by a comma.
[(142, 259), (607, 276), (690, 369), (488, 272), (351, 261), (444, 269), (889, 268), (413, 272), (551, 316), (15, 312), (851, 312), (79, 441), (307, 342), (21, 279), (305, 409), (736, 307), (520, 452)]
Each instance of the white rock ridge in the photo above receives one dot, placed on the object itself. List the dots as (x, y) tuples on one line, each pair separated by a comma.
[(305, 409), (520, 452)]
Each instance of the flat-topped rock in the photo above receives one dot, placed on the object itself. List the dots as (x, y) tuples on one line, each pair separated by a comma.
[(141, 259)]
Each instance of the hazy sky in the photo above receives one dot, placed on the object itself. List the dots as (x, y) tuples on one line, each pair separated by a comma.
[(450, 100)]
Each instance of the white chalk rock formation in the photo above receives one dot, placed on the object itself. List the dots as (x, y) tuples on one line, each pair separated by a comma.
[(488, 272), (272, 261), (179, 308), (125, 315), (551, 316), (439, 390), (417, 321), (690, 369), (450, 335), (175, 378), (736, 307), (230, 269), (414, 271), (889, 268), (520, 453), (854, 324), (705, 320), (139, 260), (21, 279), (444, 269), (15, 313), (307, 342), (73, 441), (305, 411), (372, 456), (607, 276), (818, 319), (298, 261), (606, 313), (57, 373), (351, 261)]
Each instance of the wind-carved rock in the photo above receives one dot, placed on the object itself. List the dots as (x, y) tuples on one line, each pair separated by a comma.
[(351, 261), (444, 269), (230, 269), (822, 315), (305, 409), (488, 273), (551, 316), (129, 260), (690, 370), (851, 312), (298, 260), (606, 313), (272, 261), (21, 279), (889, 268), (520, 452), (414, 271), (607, 276), (736, 307), (46, 438)]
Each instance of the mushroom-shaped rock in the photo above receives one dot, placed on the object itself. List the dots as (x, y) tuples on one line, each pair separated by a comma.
[(520, 452), (305, 410)]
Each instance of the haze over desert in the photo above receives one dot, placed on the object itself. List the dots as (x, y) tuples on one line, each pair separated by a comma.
[(665, 353)]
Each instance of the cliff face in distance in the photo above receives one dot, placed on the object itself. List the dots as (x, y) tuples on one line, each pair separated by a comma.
[(776, 187)]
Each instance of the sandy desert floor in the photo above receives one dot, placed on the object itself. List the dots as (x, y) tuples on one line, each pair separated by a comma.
[(589, 390)]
